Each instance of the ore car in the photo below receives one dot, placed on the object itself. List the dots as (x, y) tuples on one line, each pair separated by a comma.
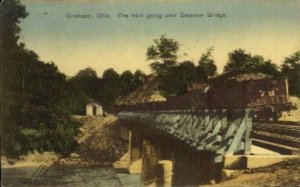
[(267, 96)]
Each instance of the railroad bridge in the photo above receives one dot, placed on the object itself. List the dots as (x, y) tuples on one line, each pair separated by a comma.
[(184, 147)]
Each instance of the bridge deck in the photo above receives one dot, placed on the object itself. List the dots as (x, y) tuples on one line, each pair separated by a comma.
[(202, 130)]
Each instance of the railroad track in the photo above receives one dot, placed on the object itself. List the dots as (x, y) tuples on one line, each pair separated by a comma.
[(282, 137)]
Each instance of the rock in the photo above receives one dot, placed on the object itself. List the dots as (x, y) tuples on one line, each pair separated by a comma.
[(212, 182), (11, 162), (4, 161), (74, 155), (229, 174)]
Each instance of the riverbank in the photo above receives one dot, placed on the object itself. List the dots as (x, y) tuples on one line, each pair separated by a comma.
[(34, 159), (89, 165), (60, 175), (99, 142), (285, 173)]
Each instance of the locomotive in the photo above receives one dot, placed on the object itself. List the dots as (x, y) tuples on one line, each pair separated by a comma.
[(266, 96)]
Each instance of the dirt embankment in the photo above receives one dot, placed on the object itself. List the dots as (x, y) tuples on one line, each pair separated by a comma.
[(100, 139), (147, 92), (285, 173), (99, 143)]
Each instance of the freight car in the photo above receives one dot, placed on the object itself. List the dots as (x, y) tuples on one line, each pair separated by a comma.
[(267, 96)]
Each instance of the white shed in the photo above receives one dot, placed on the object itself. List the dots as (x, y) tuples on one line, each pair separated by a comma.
[(94, 109)]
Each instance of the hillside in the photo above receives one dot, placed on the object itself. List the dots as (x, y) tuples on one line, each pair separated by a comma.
[(145, 93), (99, 140)]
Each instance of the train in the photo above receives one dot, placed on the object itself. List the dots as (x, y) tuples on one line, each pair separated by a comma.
[(268, 97)]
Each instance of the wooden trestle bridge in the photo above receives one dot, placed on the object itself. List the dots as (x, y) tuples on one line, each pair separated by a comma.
[(184, 146)]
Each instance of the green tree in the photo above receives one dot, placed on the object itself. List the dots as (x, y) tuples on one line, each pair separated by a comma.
[(11, 12), (78, 98), (177, 78), (239, 59), (259, 65), (138, 78), (111, 88), (163, 53), (35, 112), (126, 82), (87, 81), (291, 69), (206, 65), (130, 81)]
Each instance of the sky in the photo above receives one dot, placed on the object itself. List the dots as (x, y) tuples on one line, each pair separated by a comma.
[(269, 28)]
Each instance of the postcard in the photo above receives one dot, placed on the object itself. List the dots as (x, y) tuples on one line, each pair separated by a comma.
[(150, 93)]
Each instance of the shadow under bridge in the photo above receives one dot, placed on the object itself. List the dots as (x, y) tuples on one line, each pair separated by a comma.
[(184, 147)]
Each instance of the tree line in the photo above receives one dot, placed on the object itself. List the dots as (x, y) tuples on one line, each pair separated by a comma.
[(87, 86), (35, 104), (175, 75)]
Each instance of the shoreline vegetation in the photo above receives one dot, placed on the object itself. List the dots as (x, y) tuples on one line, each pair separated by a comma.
[(98, 143)]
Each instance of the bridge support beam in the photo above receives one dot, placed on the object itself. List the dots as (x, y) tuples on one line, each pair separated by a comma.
[(156, 171), (193, 167), (135, 152), (176, 165)]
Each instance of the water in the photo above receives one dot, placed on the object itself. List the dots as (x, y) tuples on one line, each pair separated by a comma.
[(68, 176)]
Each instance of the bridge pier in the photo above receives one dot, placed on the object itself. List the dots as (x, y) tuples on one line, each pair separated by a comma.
[(165, 163), (194, 167), (180, 148), (173, 164), (157, 170), (135, 152)]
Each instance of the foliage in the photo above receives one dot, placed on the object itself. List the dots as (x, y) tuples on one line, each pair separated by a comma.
[(126, 82), (206, 65), (163, 53), (139, 78), (111, 88), (83, 86), (10, 14), (84, 79), (174, 76), (86, 86), (291, 69), (78, 98), (130, 81), (174, 82), (239, 59), (35, 112)]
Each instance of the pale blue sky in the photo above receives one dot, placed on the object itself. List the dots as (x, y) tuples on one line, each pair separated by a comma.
[(269, 28)]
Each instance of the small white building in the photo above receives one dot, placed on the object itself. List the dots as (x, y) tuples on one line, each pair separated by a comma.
[(94, 109)]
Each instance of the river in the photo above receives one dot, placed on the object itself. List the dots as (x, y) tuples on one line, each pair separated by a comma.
[(67, 176)]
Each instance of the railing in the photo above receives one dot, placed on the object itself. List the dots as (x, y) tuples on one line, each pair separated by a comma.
[(220, 131)]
